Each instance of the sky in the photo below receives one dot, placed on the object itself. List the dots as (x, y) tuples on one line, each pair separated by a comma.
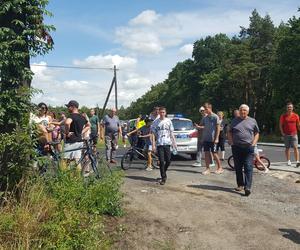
[(144, 39)]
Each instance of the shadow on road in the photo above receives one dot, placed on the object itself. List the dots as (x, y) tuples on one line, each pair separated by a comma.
[(141, 178), (290, 234), (183, 170), (214, 188)]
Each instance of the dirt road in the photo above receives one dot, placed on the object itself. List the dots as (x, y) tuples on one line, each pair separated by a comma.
[(193, 211)]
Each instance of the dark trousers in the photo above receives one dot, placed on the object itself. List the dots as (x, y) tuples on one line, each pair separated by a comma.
[(164, 156), (243, 158)]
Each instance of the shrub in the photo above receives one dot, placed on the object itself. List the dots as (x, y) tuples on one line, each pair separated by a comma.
[(64, 212)]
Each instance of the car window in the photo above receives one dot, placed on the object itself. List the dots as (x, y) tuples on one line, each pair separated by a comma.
[(180, 125)]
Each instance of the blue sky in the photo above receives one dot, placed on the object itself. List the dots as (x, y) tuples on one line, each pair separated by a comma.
[(144, 38)]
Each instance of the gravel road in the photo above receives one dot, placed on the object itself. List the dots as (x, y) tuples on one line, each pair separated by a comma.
[(193, 211)]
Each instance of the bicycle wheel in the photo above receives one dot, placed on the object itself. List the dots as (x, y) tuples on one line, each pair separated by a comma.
[(230, 162), (155, 161), (265, 161), (94, 166), (127, 160)]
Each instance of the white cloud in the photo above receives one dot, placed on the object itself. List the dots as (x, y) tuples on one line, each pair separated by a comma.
[(147, 17), (186, 50), (151, 33), (106, 61)]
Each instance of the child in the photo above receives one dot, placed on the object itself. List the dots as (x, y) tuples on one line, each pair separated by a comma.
[(144, 132)]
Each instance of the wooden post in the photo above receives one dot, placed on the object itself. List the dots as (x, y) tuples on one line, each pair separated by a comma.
[(116, 87)]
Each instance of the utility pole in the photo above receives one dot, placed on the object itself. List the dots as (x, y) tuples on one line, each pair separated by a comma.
[(113, 82), (116, 87)]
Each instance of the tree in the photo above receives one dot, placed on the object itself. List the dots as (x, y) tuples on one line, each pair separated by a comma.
[(22, 35)]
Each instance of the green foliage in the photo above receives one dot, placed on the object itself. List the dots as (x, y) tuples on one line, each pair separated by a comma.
[(60, 213), (260, 67), (22, 35)]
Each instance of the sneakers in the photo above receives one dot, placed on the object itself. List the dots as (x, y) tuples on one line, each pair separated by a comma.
[(297, 164), (197, 164), (239, 189), (162, 182), (247, 192), (149, 168), (212, 165), (289, 163), (266, 170)]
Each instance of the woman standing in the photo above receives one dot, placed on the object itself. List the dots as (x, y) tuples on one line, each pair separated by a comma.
[(222, 136)]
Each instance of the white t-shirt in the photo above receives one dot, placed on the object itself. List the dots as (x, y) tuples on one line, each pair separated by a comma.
[(162, 130), (43, 120)]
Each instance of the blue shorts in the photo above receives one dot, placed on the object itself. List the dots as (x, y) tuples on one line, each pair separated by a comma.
[(210, 147)]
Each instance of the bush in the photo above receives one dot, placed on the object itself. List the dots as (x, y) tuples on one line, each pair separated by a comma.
[(64, 212)]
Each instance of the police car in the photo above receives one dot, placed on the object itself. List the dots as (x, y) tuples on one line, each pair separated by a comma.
[(185, 135)]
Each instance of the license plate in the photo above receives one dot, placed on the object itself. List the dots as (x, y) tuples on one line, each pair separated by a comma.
[(182, 148), (182, 136)]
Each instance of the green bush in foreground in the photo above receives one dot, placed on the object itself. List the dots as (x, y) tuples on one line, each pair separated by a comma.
[(64, 212)]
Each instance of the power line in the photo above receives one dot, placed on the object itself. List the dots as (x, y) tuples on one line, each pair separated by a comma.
[(70, 67)]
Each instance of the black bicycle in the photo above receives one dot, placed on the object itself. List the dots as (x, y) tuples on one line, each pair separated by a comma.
[(137, 155), (89, 159)]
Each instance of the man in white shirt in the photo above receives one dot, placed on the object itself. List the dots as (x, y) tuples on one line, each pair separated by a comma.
[(162, 129)]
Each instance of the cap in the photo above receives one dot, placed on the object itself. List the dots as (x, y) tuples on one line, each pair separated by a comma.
[(201, 109), (73, 103)]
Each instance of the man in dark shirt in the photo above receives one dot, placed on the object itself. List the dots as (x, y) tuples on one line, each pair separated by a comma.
[(112, 130), (243, 135), (75, 126), (95, 127)]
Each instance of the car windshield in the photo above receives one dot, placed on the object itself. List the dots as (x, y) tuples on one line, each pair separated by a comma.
[(180, 125)]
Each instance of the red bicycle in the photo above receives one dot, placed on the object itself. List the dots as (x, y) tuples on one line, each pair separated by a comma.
[(256, 163)]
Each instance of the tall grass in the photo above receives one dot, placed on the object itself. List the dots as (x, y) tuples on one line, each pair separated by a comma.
[(62, 212)]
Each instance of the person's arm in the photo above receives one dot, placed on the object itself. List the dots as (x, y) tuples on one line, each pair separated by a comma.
[(67, 127), (152, 138), (229, 136), (218, 129), (198, 126), (132, 132), (99, 128), (298, 123), (86, 128), (281, 125), (255, 139)]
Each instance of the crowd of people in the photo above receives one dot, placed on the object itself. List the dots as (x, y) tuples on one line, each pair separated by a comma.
[(155, 131)]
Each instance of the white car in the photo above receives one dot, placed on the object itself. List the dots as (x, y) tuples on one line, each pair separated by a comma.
[(185, 135)]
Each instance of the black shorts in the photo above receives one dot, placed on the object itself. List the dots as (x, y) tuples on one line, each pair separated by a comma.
[(210, 147)]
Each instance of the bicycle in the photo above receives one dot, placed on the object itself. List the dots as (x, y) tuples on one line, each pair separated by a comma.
[(135, 155), (260, 167), (89, 159)]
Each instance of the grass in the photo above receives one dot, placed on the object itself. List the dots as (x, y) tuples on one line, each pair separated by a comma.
[(62, 212)]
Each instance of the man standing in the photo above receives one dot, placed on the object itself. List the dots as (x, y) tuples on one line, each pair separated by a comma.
[(210, 125), (162, 129), (289, 123), (243, 135), (75, 126), (199, 140), (112, 131), (154, 114), (95, 127)]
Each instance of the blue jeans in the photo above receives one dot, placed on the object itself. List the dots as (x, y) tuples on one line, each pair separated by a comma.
[(243, 158)]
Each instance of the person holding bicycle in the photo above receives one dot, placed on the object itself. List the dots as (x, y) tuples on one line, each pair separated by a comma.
[(76, 125), (146, 135), (243, 135)]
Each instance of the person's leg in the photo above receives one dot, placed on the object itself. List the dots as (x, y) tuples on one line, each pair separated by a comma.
[(199, 154), (167, 153), (222, 147), (295, 146), (208, 156), (287, 144), (161, 157), (114, 143), (248, 169), (238, 165), (216, 158), (108, 147)]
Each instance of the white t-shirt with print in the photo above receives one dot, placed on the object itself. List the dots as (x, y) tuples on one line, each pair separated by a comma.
[(162, 130)]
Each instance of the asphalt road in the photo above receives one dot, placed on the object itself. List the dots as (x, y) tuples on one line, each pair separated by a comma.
[(193, 211)]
